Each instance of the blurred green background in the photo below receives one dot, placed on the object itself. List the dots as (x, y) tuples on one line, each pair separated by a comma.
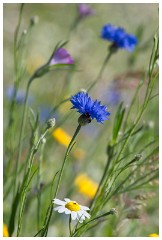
[(88, 51)]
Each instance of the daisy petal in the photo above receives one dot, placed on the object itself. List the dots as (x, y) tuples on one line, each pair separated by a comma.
[(86, 214), (84, 207), (61, 209), (67, 211), (67, 199), (73, 215), (59, 202), (57, 208)]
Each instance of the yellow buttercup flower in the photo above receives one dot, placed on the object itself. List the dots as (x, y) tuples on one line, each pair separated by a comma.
[(85, 185), (5, 230), (61, 136), (153, 235)]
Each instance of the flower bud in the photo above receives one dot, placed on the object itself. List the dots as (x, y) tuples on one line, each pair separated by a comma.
[(113, 211), (51, 123), (34, 20), (84, 119), (43, 140)]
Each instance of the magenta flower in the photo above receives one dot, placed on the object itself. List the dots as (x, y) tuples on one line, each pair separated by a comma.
[(84, 10), (61, 56)]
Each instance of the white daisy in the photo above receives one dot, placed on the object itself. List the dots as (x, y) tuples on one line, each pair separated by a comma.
[(76, 210)]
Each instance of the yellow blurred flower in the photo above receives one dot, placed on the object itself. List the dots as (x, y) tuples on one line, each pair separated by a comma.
[(153, 235), (5, 230), (79, 153), (61, 136), (64, 138), (33, 63), (85, 185)]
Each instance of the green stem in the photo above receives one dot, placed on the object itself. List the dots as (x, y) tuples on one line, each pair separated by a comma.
[(50, 209), (26, 181), (66, 156), (101, 181), (70, 230), (101, 70), (21, 134), (90, 221), (38, 187), (16, 83)]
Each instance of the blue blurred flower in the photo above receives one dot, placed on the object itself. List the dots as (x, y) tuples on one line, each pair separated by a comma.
[(45, 114), (85, 10), (61, 56), (89, 108), (20, 97), (119, 37), (113, 96)]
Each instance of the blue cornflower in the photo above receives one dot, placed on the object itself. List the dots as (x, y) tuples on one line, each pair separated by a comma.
[(119, 37), (89, 108)]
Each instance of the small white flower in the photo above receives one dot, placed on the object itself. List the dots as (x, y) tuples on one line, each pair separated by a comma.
[(76, 210)]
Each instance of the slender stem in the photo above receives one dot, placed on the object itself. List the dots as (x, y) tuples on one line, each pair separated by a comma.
[(91, 221), (39, 187), (50, 209), (22, 133), (101, 181), (27, 180), (101, 70), (16, 82), (70, 230), (66, 156)]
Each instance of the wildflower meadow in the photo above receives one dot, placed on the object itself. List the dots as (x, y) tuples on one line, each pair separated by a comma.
[(81, 120)]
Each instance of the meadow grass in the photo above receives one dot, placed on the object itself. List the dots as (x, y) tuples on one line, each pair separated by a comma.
[(105, 159)]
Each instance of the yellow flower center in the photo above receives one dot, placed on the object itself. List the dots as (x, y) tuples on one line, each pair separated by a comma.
[(72, 206)]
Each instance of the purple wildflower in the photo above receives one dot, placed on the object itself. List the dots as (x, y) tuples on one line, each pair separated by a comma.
[(85, 10), (61, 56)]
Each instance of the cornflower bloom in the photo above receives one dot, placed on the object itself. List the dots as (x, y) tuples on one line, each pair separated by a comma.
[(119, 37), (89, 109), (76, 210)]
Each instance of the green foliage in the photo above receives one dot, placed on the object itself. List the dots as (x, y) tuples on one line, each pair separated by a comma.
[(121, 155)]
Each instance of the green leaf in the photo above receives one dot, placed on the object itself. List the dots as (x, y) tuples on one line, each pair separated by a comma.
[(13, 213), (118, 122)]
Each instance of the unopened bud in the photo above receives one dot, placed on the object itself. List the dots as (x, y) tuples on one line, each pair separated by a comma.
[(34, 20), (51, 123), (24, 32), (113, 211), (43, 140), (137, 157), (84, 119)]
